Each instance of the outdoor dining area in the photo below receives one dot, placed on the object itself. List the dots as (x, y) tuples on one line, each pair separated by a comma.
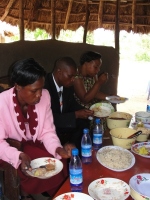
[(35, 156)]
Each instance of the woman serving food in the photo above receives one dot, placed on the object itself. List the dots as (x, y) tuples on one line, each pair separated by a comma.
[(26, 117)]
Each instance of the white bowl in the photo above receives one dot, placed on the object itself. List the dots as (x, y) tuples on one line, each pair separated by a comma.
[(140, 186), (142, 116)]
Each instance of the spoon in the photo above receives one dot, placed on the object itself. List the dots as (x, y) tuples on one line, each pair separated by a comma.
[(42, 166), (135, 134)]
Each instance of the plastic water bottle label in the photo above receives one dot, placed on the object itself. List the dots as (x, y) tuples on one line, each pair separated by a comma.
[(97, 138), (76, 176), (86, 150)]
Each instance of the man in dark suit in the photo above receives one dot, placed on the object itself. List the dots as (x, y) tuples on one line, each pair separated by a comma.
[(70, 118)]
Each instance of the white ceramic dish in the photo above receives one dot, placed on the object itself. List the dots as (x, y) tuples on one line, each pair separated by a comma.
[(43, 161), (109, 189), (104, 149), (102, 109), (73, 196), (140, 183), (142, 116), (135, 148), (115, 99)]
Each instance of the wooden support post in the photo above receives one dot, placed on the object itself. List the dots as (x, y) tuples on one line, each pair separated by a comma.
[(133, 14), (117, 29), (86, 22), (68, 14), (53, 3), (100, 13), (21, 19)]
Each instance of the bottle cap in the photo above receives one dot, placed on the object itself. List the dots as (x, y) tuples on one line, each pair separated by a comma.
[(85, 130), (97, 120), (75, 152)]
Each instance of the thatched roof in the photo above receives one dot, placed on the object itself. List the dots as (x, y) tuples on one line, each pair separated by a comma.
[(54, 15)]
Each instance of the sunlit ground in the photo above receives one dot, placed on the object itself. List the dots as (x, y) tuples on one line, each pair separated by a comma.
[(133, 84)]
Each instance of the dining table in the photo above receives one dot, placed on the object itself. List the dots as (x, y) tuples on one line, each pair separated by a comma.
[(95, 170)]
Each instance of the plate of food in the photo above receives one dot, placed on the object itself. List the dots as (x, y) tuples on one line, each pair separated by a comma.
[(115, 158), (73, 196), (109, 189), (45, 167), (141, 149), (116, 99), (102, 109)]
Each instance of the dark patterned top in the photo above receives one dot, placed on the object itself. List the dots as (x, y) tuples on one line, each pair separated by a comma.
[(88, 84)]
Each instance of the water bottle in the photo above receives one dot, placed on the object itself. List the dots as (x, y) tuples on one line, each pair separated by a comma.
[(148, 106), (75, 170), (97, 134), (86, 147)]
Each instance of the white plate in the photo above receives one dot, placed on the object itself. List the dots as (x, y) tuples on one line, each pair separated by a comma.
[(115, 99), (102, 109), (135, 147), (43, 161), (141, 184), (109, 189), (74, 195), (104, 149)]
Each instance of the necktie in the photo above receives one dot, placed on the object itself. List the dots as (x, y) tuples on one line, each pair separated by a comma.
[(60, 100)]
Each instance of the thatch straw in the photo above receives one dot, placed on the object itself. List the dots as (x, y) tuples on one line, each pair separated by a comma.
[(134, 15)]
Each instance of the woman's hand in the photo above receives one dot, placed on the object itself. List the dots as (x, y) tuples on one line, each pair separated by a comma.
[(103, 78), (68, 147), (62, 152), (25, 163)]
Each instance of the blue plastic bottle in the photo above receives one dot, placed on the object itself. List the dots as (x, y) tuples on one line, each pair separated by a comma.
[(97, 134), (86, 147), (75, 170)]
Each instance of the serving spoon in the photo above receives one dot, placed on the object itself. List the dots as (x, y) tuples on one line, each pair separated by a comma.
[(135, 134)]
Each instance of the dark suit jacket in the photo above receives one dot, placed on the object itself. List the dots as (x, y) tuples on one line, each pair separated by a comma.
[(66, 119)]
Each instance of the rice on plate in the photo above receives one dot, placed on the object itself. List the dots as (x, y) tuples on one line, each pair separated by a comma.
[(115, 158)]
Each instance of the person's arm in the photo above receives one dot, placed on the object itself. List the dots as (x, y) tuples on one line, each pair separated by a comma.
[(87, 96), (101, 96)]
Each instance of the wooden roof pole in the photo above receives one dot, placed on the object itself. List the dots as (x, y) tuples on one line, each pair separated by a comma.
[(100, 13), (68, 14), (7, 9), (86, 22), (117, 29), (53, 3), (21, 19), (133, 14)]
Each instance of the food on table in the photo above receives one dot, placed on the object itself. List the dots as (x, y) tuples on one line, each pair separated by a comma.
[(96, 109), (115, 158), (140, 124), (142, 150), (117, 118), (119, 98), (50, 167), (41, 171)]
